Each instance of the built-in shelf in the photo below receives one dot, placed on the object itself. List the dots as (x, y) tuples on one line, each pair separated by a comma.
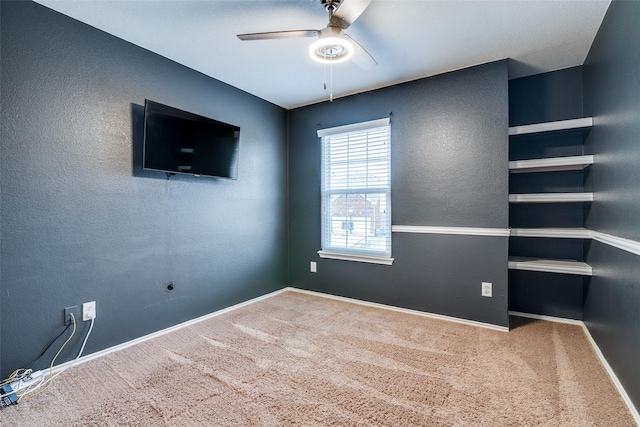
[(551, 126), (554, 233), (552, 164), (551, 198), (550, 266)]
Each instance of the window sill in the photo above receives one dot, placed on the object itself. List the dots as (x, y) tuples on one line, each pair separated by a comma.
[(358, 258)]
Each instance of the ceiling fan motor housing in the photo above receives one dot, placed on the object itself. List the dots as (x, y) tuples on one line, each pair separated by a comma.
[(331, 46)]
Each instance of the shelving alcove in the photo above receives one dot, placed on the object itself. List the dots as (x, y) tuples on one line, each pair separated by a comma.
[(564, 129)]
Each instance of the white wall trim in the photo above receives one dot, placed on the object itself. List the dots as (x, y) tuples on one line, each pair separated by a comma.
[(607, 367), (403, 310), (561, 233), (465, 231), (628, 245), (115, 348), (617, 242), (354, 257)]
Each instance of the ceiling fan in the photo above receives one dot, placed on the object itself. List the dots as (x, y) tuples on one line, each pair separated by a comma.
[(333, 45)]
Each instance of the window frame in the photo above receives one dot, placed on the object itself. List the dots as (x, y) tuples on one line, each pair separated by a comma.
[(351, 254)]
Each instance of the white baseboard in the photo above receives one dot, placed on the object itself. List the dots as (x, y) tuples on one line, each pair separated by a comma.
[(403, 310), (152, 335), (614, 378), (161, 332), (607, 367), (547, 318), (612, 375)]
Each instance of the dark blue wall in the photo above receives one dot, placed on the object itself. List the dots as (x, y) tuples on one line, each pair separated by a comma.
[(543, 98), (448, 160), (546, 97), (82, 222), (612, 97)]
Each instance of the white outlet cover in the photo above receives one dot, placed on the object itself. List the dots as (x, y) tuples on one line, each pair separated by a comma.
[(313, 266), (487, 289), (88, 311)]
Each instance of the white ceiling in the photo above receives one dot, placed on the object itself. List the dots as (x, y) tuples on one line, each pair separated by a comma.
[(410, 39)]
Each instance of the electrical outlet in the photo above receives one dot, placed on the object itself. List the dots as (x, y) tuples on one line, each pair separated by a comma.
[(487, 289), (88, 311), (67, 314), (313, 266)]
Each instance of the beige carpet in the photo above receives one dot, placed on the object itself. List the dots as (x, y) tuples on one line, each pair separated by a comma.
[(295, 359)]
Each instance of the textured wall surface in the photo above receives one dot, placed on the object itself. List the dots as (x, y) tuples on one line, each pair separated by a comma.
[(536, 99), (81, 221), (449, 168), (612, 97)]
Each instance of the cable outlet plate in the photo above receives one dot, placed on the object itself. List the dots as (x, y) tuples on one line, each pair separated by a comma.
[(88, 311), (67, 314), (487, 289)]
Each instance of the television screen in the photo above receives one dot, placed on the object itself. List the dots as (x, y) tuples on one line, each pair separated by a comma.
[(176, 141)]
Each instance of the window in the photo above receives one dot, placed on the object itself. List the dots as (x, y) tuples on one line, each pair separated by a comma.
[(356, 192)]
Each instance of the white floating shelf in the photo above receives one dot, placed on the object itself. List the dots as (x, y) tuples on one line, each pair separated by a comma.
[(551, 126), (550, 266), (551, 164), (561, 233), (551, 198)]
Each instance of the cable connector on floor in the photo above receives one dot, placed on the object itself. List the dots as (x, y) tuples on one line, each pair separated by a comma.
[(27, 381), (9, 397)]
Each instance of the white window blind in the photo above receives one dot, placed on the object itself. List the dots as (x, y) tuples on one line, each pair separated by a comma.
[(356, 190)]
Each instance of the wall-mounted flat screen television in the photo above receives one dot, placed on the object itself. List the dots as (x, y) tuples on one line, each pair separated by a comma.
[(176, 141)]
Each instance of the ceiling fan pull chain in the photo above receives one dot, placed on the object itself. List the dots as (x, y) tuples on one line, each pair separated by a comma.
[(324, 70), (331, 81)]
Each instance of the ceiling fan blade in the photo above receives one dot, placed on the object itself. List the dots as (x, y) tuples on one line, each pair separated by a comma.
[(347, 12), (278, 35), (360, 55)]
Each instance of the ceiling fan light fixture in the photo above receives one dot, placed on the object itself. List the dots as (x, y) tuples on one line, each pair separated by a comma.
[(331, 49)]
